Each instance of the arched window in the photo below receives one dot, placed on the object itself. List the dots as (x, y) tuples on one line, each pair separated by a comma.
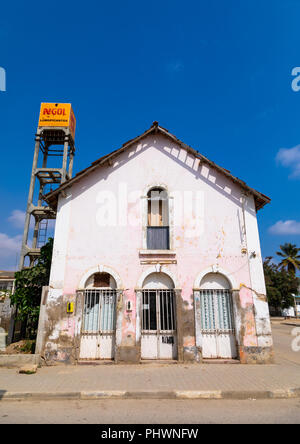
[(101, 280), (158, 237)]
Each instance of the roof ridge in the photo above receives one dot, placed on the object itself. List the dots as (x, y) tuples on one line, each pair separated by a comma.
[(261, 199)]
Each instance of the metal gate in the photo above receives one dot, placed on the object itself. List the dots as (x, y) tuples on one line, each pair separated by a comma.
[(159, 338), (98, 325), (217, 324)]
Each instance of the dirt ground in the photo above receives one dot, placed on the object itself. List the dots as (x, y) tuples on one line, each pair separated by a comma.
[(26, 346)]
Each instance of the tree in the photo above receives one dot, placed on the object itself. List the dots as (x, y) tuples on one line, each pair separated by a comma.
[(28, 286), (291, 257), (280, 285)]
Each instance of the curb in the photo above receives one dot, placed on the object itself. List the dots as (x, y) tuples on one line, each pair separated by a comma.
[(153, 394), (291, 324)]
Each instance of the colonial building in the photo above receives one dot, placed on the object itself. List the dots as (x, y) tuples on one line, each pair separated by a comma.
[(156, 257)]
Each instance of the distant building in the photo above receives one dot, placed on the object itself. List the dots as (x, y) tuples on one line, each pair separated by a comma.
[(7, 279), (294, 310), (297, 304)]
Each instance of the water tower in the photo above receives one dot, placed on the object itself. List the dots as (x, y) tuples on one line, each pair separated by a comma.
[(54, 139)]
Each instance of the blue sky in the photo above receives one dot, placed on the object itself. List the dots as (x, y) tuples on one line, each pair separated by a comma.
[(215, 73)]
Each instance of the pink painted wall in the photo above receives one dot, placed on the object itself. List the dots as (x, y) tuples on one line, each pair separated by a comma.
[(153, 161)]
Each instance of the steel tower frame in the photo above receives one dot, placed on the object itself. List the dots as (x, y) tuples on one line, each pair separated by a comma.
[(47, 142)]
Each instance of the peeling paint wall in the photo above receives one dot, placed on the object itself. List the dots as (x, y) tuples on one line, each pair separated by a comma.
[(224, 238), (257, 282)]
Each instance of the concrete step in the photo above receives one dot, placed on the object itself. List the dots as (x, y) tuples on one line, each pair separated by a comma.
[(220, 361), (95, 362)]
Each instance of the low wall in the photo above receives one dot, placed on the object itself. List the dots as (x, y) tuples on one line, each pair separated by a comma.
[(6, 312), (19, 360)]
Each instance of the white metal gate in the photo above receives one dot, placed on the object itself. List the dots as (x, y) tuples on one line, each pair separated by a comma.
[(98, 325), (159, 338), (217, 324)]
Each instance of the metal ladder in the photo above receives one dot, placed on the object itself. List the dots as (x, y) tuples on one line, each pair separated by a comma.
[(42, 234)]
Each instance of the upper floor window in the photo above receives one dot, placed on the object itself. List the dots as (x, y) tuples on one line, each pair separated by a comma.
[(158, 236)]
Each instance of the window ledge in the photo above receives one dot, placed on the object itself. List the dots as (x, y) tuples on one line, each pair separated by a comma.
[(158, 252)]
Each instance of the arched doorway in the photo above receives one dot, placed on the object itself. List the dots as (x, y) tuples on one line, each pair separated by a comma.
[(217, 320), (99, 317), (158, 318)]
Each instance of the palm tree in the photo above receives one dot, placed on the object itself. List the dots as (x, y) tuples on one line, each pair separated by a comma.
[(291, 257)]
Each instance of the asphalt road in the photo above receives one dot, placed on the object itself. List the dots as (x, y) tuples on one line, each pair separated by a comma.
[(283, 338), (151, 412), (164, 411)]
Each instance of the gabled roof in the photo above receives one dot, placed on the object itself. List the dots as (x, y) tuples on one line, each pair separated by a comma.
[(9, 275), (52, 197)]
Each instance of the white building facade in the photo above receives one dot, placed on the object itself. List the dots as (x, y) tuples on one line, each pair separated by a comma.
[(156, 257)]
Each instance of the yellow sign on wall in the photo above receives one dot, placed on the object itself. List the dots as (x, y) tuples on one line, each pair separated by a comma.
[(59, 115), (70, 307)]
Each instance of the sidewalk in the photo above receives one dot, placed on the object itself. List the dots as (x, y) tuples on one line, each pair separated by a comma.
[(164, 381), (174, 381)]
